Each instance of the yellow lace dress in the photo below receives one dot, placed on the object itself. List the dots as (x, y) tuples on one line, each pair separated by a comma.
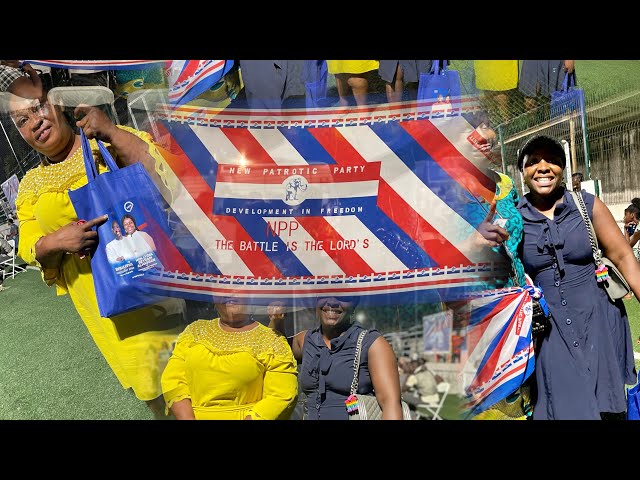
[(133, 344), (228, 375)]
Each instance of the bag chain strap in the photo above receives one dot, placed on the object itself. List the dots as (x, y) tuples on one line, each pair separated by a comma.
[(587, 221), (356, 362), (602, 272)]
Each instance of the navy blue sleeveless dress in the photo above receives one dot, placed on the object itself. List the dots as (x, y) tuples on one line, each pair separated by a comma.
[(587, 358), (326, 374)]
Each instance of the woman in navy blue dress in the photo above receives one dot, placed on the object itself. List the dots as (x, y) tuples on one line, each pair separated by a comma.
[(325, 364), (585, 361)]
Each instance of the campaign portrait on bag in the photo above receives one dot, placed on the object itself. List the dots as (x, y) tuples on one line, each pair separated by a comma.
[(130, 250), (442, 107), (118, 249), (140, 244)]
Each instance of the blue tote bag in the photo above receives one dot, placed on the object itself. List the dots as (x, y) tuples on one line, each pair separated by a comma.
[(442, 86), (134, 205), (315, 85), (633, 401), (569, 98)]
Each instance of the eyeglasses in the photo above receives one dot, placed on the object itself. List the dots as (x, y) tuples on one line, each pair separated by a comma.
[(37, 110)]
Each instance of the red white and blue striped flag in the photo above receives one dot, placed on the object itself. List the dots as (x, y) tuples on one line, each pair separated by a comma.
[(500, 345), (190, 78), (370, 202)]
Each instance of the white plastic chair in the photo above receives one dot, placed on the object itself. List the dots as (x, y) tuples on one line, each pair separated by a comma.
[(433, 409), (94, 95), (9, 260)]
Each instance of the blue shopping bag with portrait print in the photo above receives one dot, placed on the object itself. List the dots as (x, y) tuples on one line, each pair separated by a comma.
[(131, 242), (568, 99), (442, 87), (633, 401)]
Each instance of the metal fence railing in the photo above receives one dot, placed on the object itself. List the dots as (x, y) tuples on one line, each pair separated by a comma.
[(614, 161), (613, 123), (568, 128), (603, 138), (17, 158)]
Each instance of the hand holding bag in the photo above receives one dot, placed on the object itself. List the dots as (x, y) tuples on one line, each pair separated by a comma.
[(121, 192), (361, 406), (606, 272), (569, 98)]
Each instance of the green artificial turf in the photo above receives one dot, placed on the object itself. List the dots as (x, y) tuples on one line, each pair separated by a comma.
[(52, 370), (50, 367), (633, 313)]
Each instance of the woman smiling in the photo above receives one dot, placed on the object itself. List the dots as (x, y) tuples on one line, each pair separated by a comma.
[(587, 357)]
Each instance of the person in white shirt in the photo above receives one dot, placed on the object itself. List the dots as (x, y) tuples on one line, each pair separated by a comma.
[(140, 242), (118, 249)]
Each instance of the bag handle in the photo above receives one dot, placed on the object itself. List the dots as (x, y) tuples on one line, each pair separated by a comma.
[(87, 156), (569, 81), (438, 67), (89, 162), (593, 239), (356, 362), (107, 157)]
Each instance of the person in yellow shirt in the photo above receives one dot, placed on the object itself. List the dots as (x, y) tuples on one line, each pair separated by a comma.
[(53, 239), (496, 78), (353, 78), (230, 368)]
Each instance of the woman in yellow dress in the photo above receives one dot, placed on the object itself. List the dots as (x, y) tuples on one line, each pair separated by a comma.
[(52, 239), (230, 368), (352, 78), (497, 78)]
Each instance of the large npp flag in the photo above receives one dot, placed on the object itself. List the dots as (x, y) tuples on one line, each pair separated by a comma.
[(368, 202)]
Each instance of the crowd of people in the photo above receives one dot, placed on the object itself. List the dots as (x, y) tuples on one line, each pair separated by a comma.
[(274, 84), (534, 80), (234, 367)]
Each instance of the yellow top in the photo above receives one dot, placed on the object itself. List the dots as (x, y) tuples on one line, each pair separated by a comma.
[(134, 344), (229, 375), (352, 66), (496, 75)]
